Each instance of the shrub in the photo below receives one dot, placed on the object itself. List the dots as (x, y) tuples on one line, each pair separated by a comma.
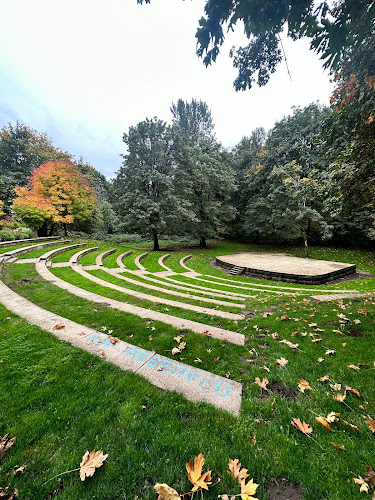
[(6, 235)]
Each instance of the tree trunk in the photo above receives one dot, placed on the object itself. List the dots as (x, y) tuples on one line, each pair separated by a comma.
[(202, 243), (65, 230), (51, 229), (42, 230), (306, 244), (156, 240)]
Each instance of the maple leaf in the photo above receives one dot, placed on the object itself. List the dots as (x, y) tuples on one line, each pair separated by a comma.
[(195, 476), (5, 494), (59, 326), (248, 489), (339, 446), (304, 385), (165, 492), (324, 422), (330, 352), (339, 397), (284, 317), (262, 384), (113, 340), (182, 345), (324, 379), (282, 361), (5, 444), (90, 462), (178, 340), (198, 360), (235, 470), (301, 426), (176, 350), (371, 423)]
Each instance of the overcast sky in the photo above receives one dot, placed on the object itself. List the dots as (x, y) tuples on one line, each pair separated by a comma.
[(85, 70)]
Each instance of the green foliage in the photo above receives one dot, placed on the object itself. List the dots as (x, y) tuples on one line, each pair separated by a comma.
[(6, 235), (194, 119)]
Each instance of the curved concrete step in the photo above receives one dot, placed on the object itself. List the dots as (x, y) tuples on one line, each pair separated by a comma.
[(74, 259), (172, 292), (176, 322), (52, 253), (183, 261), (121, 257), (28, 240), (21, 251), (162, 259), (103, 255), (137, 261), (166, 373)]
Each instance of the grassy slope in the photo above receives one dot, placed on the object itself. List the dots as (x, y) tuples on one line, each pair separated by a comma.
[(44, 392)]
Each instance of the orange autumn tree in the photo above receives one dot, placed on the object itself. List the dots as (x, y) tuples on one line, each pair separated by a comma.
[(57, 194)]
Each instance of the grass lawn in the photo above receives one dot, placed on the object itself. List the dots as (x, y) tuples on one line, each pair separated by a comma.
[(61, 401)]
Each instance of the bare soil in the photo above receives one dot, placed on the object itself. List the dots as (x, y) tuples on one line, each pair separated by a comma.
[(283, 490)]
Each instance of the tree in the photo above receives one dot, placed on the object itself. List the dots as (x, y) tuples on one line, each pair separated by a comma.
[(107, 218), (334, 29), (23, 149), (144, 192), (194, 119), (57, 194)]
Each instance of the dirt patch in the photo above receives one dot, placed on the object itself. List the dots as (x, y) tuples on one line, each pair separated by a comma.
[(24, 281), (354, 332), (285, 491), (248, 361), (283, 390)]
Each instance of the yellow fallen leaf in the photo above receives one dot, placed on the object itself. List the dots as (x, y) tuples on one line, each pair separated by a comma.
[(195, 476), (235, 470), (371, 423), (248, 489), (282, 361), (165, 492), (262, 384), (90, 462), (324, 422), (304, 385)]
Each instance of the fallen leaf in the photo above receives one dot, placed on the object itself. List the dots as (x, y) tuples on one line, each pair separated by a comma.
[(5, 444), (324, 422), (362, 311), (332, 417), (339, 397), (248, 489), (5, 494), (304, 385), (301, 426), (371, 423), (284, 317), (165, 492), (150, 337), (216, 358), (354, 367), (113, 340), (354, 391), (368, 481), (182, 345), (320, 360), (336, 387), (315, 341), (19, 470), (90, 462), (195, 476), (176, 350), (282, 361), (59, 326), (235, 470), (339, 446), (324, 379), (262, 384), (197, 360), (330, 352), (178, 340), (275, 336), (350, 425)]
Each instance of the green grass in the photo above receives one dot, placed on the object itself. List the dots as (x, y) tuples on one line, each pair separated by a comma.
[(14, 247), (60, 400)]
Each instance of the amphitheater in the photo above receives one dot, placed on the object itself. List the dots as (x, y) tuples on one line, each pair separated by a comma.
[(164, 294)]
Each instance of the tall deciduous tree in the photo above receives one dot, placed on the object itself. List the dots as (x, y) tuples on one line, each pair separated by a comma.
[(194, 118), (57, 194), (144, 191)]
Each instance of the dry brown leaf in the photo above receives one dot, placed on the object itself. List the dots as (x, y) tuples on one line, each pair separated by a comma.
[(19, 470), (301, 426), (178, 340), (195, 476), (90, 462), (262, 384), (225, 497), (354, 367), (284, 317), (216, 358), (324, 379), (282, 361), (315, 341), (235, 470), (362, 311), (339, 446), (176, 350), (371, 423), (304, 385), (182, 345), (351, 425), (339, 397), (5, 444), (113, 340), (5, 494), (324, 422), (332, 417), (198, 360), (165, 492), (59, 326), (248, 489), (368, 481), (354, 391)]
